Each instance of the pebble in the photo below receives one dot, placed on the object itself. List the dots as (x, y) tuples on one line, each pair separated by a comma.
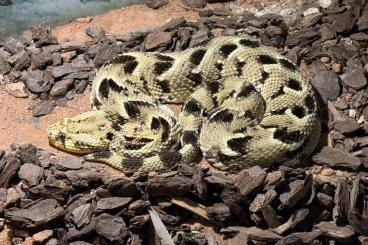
[(42, 236), (311, 11), (30, 173), (95, 32), (18, 90), (44, 107), (354, 79), (327, 85), (60, 88)]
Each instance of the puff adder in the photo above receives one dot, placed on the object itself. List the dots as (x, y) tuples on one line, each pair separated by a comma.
[(243, 105)]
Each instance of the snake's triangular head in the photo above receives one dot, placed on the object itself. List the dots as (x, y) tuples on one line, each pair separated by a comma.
[(84, 133)]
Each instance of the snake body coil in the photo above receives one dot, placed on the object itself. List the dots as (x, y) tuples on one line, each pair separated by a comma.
[(244, 105)]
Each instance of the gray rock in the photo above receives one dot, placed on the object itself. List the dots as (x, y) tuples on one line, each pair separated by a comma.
[(13, 45), (30, 173), (111, 227), (4, 66), (122, 187), (41, 35), (201, 36), (41, 60), (80, 86), (105, 51), (326, 32), (327, 85), (112, 203), (157, 40), (72, 46), (62, 70), (57, 59), (251, 180), (81, 215), (354, 79), (195, 3), (80, 63), (363, 20), (301, 38), (342, 234), (44, 107), (333, 157), (155, 4), (38, 82), (222, 11), (23, 61), (73, 163), (52, 48), (44, 212), (95, 32), (346, 126), (60, 88)]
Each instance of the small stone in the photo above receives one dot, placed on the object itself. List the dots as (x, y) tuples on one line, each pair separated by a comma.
[(354, 79), (325, 59), (199, 37), (251, 180), (4, 66), (56, 59), (68, 56), (333, 157), (38, 214), (41, 60), (21, 60), (13, 45), (122, 187), (219, 179), (80, 63), (51, 48), (346, 126), (72, 46), (311, 11), (43, 108), (18, 90), (82, 214), (38, 82), (219, 212), (30, 173), (155, 4), (112, 203), (340, 233), (222, 11), (73, 163), (327, 85), (198, 4), (60, 88), (112, 228), (95, 32), (62, 70), (80, 86), (324, 3), (336, 67), (157, 40), (42, 236), (363, 20), (325, 200), (87, 19)]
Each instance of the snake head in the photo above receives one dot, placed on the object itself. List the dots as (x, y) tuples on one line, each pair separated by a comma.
[(82, 134)]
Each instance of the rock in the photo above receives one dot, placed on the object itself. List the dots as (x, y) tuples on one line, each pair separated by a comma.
[(201, 36), (325, 200), (157, 40), (222, 11), (44, 107), (326, 32), (42, 236), (13, 45), (310, 11), (73, 163), (23, 62), (112, 203), (274, 31), (30, 173), (105, 51), (301, 38), (41, 60), (51, 48), (56, 59), (363, 20), (357, 214), (298, 216), (38, 214), (68, 56), (339, 21), (300, 238), (80, 86), (122, 187), (354, 79), (195, 3), (111, 227), (219, 179), (95, 32), (324, 3), (248, 234), (62, 70), (41, 35), (9, 166), (38, 82), (342, 234), (4, 66), (60, 88), (155, 4), (80, 63), (219, 213), (333, 157), (72, 46), (251, 180), (299, 189), (169, 186), (346, 126), (18, 90), (81, 215), (327, 85)]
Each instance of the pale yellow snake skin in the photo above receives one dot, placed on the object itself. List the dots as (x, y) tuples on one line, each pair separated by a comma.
[(244, 105)]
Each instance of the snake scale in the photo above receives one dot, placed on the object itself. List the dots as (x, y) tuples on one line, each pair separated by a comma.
[(244, 104)]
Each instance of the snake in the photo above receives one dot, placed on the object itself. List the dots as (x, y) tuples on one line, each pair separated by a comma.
[(243, 104)]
